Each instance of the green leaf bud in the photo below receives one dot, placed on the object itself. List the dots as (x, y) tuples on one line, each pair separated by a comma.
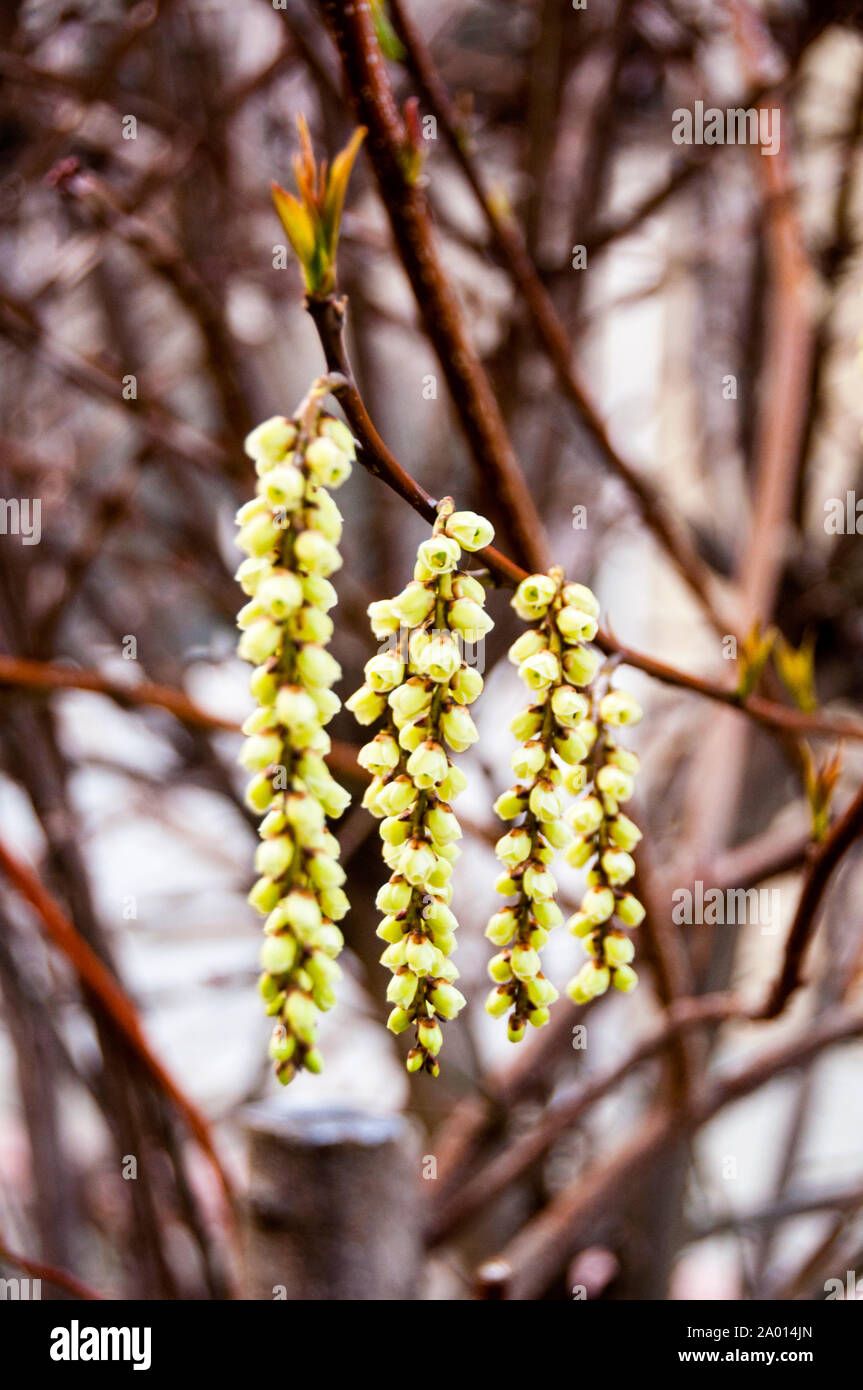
[(557, 833), (586, 817), (264, 896), (395, 954), (334, 902), (547, 914), (528, 644), (417, 862), (454, 783), (316, 667), (544, 801), (528, 760), (580, 924), (300, 1013), (568, 706), (391, 929), (539, 883), (282, 1045)]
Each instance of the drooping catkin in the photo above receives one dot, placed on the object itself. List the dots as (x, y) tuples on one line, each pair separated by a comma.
[(605, 839), (554, 662), (421, 686), (290, 533)]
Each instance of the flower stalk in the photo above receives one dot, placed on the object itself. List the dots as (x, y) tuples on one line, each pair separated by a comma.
[(605, 839), (554, 734), (421, 687), (290, 533)]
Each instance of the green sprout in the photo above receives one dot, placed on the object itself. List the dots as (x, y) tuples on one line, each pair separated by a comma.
[(312, 221)]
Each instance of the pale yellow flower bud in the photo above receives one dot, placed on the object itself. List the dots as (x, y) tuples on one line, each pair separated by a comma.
[(471, 531), (428, 764)]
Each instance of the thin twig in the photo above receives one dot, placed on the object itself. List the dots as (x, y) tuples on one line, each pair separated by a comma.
[(353, 30), (112, 998), (52, 1274), (653, 508)]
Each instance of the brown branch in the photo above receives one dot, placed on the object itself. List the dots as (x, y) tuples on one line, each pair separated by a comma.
[(41, 675), (541, 1248), (653, 508), (328, 314), (824, 859), (21, 326), (52, 1274), (505, 1168), (167, 260), (768, 713), (352, 28), (113, 1000)]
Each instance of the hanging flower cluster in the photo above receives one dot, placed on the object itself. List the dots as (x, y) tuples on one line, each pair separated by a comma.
[(606, 837), (555, 736), (421, 685), (290, 533)]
